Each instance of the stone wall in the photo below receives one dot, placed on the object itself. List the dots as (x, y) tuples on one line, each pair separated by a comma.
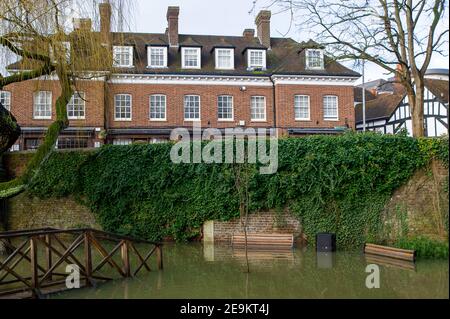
[(263, 222), (16, 162), (420, 207), (25, 212)]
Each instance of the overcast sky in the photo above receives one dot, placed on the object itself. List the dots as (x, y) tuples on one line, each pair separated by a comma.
[(227, 17)]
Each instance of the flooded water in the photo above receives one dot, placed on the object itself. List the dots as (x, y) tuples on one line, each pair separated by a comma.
[(197, 271)]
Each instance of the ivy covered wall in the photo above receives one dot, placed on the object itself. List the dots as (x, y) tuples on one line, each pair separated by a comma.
[(330, 183)]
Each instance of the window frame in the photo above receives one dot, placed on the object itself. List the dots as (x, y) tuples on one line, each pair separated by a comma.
[(150, 108), (149, 57), (130, 55), (264, 59), (231, 52), (6, 96), (42, 117), (199, 108), (295, 107), (232, 109), (183, 57), (82, 96), (115, 108), (337, 108), (265, 108), (322, 63)]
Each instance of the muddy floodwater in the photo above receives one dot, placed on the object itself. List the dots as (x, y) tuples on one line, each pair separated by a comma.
[(208, 271)]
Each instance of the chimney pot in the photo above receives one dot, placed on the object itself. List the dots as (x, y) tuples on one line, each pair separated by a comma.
[(172, 21), (262, 22)]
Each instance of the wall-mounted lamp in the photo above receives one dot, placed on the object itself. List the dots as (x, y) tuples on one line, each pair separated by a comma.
[(243, 88)]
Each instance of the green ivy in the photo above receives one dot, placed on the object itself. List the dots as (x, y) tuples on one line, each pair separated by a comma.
[(331, 183)]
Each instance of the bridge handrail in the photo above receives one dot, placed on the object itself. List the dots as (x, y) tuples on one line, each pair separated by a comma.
[(52, 231)]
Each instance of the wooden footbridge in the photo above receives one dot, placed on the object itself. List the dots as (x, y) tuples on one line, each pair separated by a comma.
[(36, 260)]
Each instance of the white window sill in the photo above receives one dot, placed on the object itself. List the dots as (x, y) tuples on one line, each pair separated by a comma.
[(332, 120), (225, 120), (158, 120), (157, 67), (42, 118), (260, 121), (124, 66), (123, 120), (315, 68), (225, 69), (303, 120), (76, 118), (192, 120), (191, 67)]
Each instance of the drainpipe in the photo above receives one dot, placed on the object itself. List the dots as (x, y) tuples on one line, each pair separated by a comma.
[(274, 109)]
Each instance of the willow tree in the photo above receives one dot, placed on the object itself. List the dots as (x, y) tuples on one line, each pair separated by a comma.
[(41, 35), (400, 36)]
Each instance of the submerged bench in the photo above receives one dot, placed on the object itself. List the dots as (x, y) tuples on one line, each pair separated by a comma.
[(255, 240), (397, 253)]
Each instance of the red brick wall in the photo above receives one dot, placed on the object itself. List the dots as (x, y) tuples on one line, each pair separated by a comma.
[(285, 105), (175, 104), (96, 113), (22, 102)]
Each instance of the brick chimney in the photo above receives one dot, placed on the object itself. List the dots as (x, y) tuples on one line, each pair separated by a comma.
[(172, 20), (105, 23), (263, 24), (82, 24), (249, 33)]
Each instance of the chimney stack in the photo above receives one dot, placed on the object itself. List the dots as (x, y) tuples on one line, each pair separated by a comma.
[(82, 24), (263, 24), (172, 20), (105, 23), (249, 33)]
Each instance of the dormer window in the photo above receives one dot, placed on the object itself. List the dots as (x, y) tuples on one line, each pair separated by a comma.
[(224, 59), (157, 57), (314, 59), (257, 59), (123, 56), (191, 58)]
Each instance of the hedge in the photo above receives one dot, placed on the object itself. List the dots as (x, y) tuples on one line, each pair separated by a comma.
[(331, 183)]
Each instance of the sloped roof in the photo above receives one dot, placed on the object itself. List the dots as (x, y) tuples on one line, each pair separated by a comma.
[(439, 88), (380, 108), (357, 94), (286, 56)]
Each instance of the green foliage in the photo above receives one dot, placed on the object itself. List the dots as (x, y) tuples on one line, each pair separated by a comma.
[(331, 183), (425, 247)]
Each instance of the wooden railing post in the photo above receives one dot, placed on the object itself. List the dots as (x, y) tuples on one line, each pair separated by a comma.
[(159, 257), (48, 254), (125, 258), (88, 258), (34, 268)]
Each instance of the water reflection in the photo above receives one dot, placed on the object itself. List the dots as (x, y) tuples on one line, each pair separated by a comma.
[(197, 271), (325, 260)]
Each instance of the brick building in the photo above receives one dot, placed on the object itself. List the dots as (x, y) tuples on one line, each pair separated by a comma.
[(168, 80)]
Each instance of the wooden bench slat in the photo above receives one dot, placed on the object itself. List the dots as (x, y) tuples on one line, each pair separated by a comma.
[(404, 254)]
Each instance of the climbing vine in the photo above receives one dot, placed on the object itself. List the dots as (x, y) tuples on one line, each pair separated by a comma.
[(331, 183)]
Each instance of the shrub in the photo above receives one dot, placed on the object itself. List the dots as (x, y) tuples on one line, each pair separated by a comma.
[(425, 247), (331, 183)]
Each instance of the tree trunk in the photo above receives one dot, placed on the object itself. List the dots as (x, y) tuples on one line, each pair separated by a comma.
[(416, 102)]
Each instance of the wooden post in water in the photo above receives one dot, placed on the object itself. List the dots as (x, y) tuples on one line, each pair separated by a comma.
[(34, 269), (88, 259), (48, 254), (125, 259), (159, 257)]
